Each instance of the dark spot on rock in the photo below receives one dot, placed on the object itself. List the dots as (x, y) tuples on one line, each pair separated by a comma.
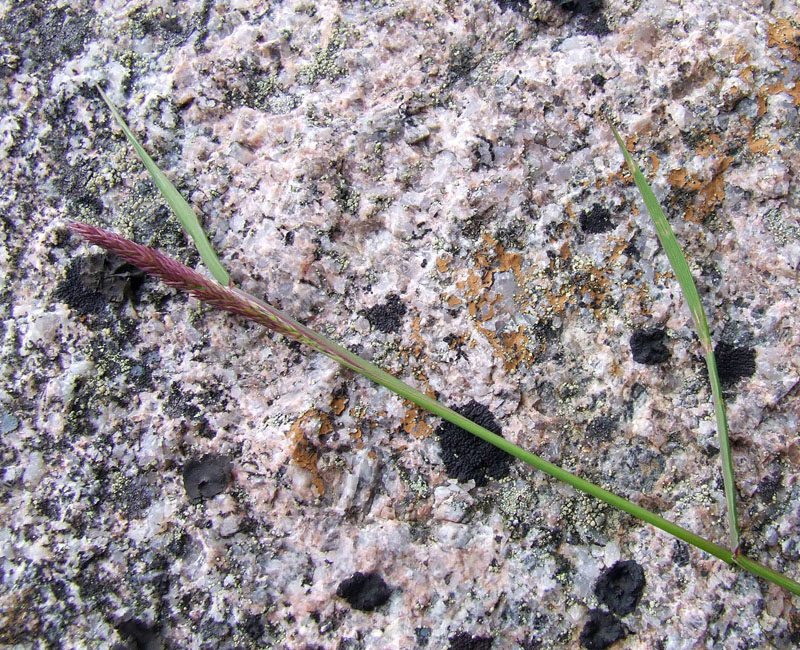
[(177, 545), (601, 630), (584, 7), (632, 252), (93, 281), (467, 457), (522, 6), (597, 25), (136, 497), (157, 24), (139, 635), (464, 641), (734, 363), (680, 553), (647, 346), (460, 63), (288, 238), (620, 586), (364, 591), (253, 627), (596, 220), (44, 34), (601, 427), (206, 477), (768, 487), (388, 316), (72, 291), (598, 80), (422, 635)]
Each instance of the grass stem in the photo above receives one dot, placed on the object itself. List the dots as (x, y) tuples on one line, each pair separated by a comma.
[(238, 302)]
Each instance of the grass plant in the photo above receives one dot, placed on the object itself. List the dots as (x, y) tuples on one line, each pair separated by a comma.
[(684, 276), (222, 294)]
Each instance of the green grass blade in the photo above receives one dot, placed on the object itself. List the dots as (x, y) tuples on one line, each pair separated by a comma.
[(178, 204), (686, 281)]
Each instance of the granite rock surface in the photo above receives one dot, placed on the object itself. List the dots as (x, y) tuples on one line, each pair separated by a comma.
[(434, 185)]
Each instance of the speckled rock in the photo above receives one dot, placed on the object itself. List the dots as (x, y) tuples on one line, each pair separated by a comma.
[(434, 185)]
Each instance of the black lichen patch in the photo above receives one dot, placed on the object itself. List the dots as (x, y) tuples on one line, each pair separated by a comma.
[(598, 80), (253, 627), (388, 316), (464, 641), (601, 630), (467, 457), (460, 64), (680, 553), (422, 635), (620, 586), (43, 34), (364, 591), (140, 635), (584, 7), (734, 363), (522, 6), (206, 477), (601, 428), (768, 487), (647, 346), (94, 281), (159, 25), (596, 220)]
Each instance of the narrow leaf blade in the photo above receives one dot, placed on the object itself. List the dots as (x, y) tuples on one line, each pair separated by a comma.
[(684, 276), (179, 206)]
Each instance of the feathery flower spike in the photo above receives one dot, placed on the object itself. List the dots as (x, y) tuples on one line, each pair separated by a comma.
[(182, 277)]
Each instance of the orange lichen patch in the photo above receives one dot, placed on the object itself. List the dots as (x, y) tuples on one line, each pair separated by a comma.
[(713, 193), (654, 162), (663, 279), (339, 404), (508, 261), (709, 194), (457, 342), (416, 337), (414, 423), (794, 93), (622, 175), (618, 247), (785, 36), (452, 301), (761, 102), (304, 453), (780, 87), (679, 178), (512, 347), (762, 145), (709, 146), (442, 263), (741, 55), (746, 75), (477, 282), (793, 453), (559, 302)]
